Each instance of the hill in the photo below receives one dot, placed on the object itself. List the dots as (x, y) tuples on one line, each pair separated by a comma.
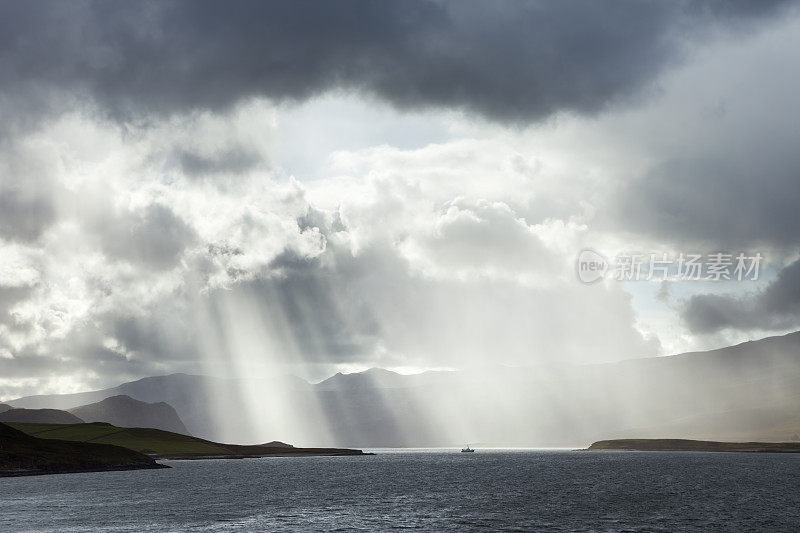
[(4, 407), (39, 416), (124, 411), (277, 444), (165, 444), (685, 445), (22, 454)]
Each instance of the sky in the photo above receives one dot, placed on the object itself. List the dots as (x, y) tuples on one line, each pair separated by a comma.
[(311, 187)]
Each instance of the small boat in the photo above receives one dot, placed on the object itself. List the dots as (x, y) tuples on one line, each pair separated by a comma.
[(467, 449)]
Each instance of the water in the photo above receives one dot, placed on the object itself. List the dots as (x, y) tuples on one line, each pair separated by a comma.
[(423, 490)]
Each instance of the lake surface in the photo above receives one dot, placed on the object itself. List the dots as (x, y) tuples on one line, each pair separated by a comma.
[(422, 490)]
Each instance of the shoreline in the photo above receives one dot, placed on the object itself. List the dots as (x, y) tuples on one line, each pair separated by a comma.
[(354, 453), (56, 471)]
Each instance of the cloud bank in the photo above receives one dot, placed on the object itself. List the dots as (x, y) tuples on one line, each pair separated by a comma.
[(145, 227), (776, 307), (508, 61)]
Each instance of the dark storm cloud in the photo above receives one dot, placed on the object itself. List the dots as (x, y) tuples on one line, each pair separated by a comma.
[(777, 307), (158, 336), (154, 237), (81, 354), (516, 61), (306, 305), (744, 195), (303, 304), (148, 342)]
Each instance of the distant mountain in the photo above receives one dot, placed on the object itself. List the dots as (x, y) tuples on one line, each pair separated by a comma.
[(372, 378), (211, 408), (24, 455), (379, 378), (4, 407), (124, 411), (143, 389), (39, 416), (750, 391)]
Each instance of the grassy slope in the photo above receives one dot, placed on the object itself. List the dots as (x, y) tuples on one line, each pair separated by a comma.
[(22, 454), (162, 443), (694, 445)]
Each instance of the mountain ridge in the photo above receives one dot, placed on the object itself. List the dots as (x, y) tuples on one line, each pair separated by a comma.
[(704, 395), (124, 411)]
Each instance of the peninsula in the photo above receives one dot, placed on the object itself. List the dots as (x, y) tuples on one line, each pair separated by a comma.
[(686, 445), (160, 444)]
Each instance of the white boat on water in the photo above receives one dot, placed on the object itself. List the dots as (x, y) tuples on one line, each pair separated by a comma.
[(467, 449)]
